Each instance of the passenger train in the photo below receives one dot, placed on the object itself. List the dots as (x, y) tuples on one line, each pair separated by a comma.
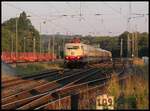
[(77, 53)]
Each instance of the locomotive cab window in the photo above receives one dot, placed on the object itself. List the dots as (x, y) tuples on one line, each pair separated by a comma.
[(73, 47)]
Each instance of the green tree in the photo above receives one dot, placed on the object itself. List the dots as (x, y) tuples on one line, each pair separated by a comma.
[(124, 37), (26, 31), (7, 38), (143, 49)]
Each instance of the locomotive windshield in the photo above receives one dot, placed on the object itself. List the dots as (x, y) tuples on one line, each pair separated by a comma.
[(73, 47)]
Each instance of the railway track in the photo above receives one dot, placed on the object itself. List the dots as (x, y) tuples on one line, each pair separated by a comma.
[(88, 89), (19, 80), (52, 91), (35, 81), (47, 86), (45, 95)]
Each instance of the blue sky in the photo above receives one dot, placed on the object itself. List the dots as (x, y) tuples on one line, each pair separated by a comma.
[(112, 21)]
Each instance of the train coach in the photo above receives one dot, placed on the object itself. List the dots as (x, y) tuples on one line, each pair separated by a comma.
[(77, 53)]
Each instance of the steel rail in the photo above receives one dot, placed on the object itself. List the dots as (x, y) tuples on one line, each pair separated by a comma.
[(69, 90), (34, 84), (29, 76), (61, 89), (35, 102), (39, 89), (21, 81), (53, 104), (78, 86), (42, 99), (90, 90)]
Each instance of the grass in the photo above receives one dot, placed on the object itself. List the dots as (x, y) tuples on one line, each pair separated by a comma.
[(32, 68), (7, 77), (113, 89), (138, 61), (134, 92)]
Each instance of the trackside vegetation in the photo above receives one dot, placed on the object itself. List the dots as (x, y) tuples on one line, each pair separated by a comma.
[(134, 92), (32, 68), (27, 33)]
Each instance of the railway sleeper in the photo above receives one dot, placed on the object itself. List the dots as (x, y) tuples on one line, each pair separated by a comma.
[(54, 94), (35, 102), (39, 89)]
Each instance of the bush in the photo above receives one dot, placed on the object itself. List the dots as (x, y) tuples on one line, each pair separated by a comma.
[(133, 93)]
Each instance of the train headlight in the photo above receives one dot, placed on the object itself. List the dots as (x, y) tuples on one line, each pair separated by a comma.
[(78, 57), (67, 57)]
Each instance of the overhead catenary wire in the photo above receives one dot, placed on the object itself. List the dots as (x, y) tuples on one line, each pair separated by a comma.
[(52, 18), (72, 8), (118, 12), (81, 15), (77, 13), (41, 17), (21, 9), (89, 24), (58, 17), (101, 21)]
